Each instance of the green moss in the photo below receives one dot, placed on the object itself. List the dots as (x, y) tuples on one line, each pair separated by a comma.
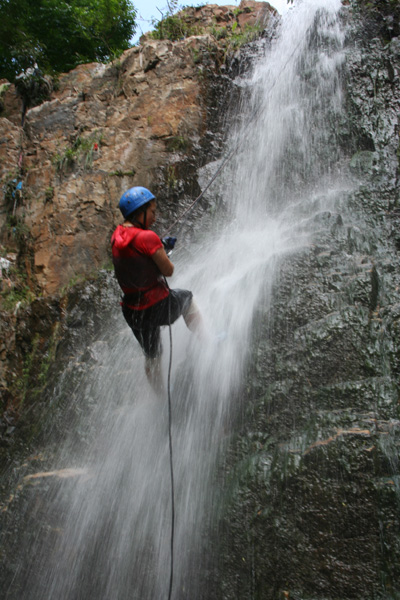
[(75, 280), (172, 179), (10, 298), (120, 173), (19, 229), (249, 33), (15, 291), (49, 194), (47, 359), (79, 153), (174, 28), (177, 143), (36, 366)]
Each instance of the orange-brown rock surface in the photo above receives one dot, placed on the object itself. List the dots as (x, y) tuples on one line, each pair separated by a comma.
[(105, 129), (149, 118)]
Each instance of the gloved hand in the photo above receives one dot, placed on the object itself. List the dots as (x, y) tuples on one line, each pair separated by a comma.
[(168, 243)]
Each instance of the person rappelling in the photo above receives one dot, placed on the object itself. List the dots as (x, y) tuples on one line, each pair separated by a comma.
[(141, 266)]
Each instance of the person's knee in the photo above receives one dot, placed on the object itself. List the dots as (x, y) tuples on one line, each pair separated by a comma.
[(192, 316)]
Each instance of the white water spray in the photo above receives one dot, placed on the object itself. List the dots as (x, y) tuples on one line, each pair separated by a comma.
[(115, 542)]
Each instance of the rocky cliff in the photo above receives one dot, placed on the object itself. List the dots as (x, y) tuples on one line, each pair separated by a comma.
[(313, 482), (311, 478), (142, 119), (152, 118)]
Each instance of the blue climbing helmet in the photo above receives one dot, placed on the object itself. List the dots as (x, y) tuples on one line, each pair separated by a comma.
[(133, 199)]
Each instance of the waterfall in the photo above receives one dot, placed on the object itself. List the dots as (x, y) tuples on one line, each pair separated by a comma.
[(115, 515)]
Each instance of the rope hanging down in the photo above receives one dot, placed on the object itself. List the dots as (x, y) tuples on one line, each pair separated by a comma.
[(171, 465), (171, 462), (230, 155)]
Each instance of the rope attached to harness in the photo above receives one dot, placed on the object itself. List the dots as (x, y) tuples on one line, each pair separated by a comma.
[(171, 462), (171, 466), (230, 155)]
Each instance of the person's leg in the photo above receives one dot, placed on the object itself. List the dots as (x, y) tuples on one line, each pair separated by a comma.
[(152, 367), (153, 350), (146, 325), (193, 319), (180, 303), (150, 341)]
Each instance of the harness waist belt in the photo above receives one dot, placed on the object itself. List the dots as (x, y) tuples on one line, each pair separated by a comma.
[(132, 297)]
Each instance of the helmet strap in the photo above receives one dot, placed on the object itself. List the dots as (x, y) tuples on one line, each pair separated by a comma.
[(138, 223)]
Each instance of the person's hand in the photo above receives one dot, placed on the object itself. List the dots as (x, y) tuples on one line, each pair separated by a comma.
[(169, 243)]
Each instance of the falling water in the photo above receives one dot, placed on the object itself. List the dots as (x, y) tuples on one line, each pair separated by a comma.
[(115, 541)]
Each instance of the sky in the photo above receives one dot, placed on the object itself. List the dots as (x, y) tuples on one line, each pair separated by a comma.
[(148, 9)]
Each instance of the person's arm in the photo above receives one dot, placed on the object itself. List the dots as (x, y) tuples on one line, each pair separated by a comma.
[(163, 263)]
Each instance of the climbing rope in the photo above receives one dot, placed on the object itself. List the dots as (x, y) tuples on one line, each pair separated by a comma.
[(171, 462), (181, 217), (171, 466), (236, 148)]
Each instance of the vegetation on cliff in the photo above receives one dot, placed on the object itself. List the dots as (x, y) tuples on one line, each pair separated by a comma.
[(176, 25)]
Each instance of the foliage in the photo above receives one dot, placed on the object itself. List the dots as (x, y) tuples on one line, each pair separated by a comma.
[(3, 88), (121, 173), (249, 33), (173, 25), (219, 32), (36, 365), (177, 143), (174, 28), (33, 87), (49, 194), (15, 290), (60, 34), (234, 39), (79, 153), (12, 297)]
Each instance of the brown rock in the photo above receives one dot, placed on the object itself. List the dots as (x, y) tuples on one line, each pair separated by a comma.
[(107, 128)]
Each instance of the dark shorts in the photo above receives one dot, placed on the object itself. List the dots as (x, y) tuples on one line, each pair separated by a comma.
[(146, 323)]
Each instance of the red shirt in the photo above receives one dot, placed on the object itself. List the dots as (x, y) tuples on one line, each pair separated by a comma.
[(137, 273)]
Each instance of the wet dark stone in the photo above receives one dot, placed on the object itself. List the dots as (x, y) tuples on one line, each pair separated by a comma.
[(313, 477)]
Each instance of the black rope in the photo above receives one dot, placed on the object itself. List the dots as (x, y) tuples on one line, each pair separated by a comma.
[(253, 116), (227, 159), (171, 463)]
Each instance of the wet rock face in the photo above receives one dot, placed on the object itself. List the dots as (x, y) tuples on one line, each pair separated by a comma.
[(314, 512), (37, 342)]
